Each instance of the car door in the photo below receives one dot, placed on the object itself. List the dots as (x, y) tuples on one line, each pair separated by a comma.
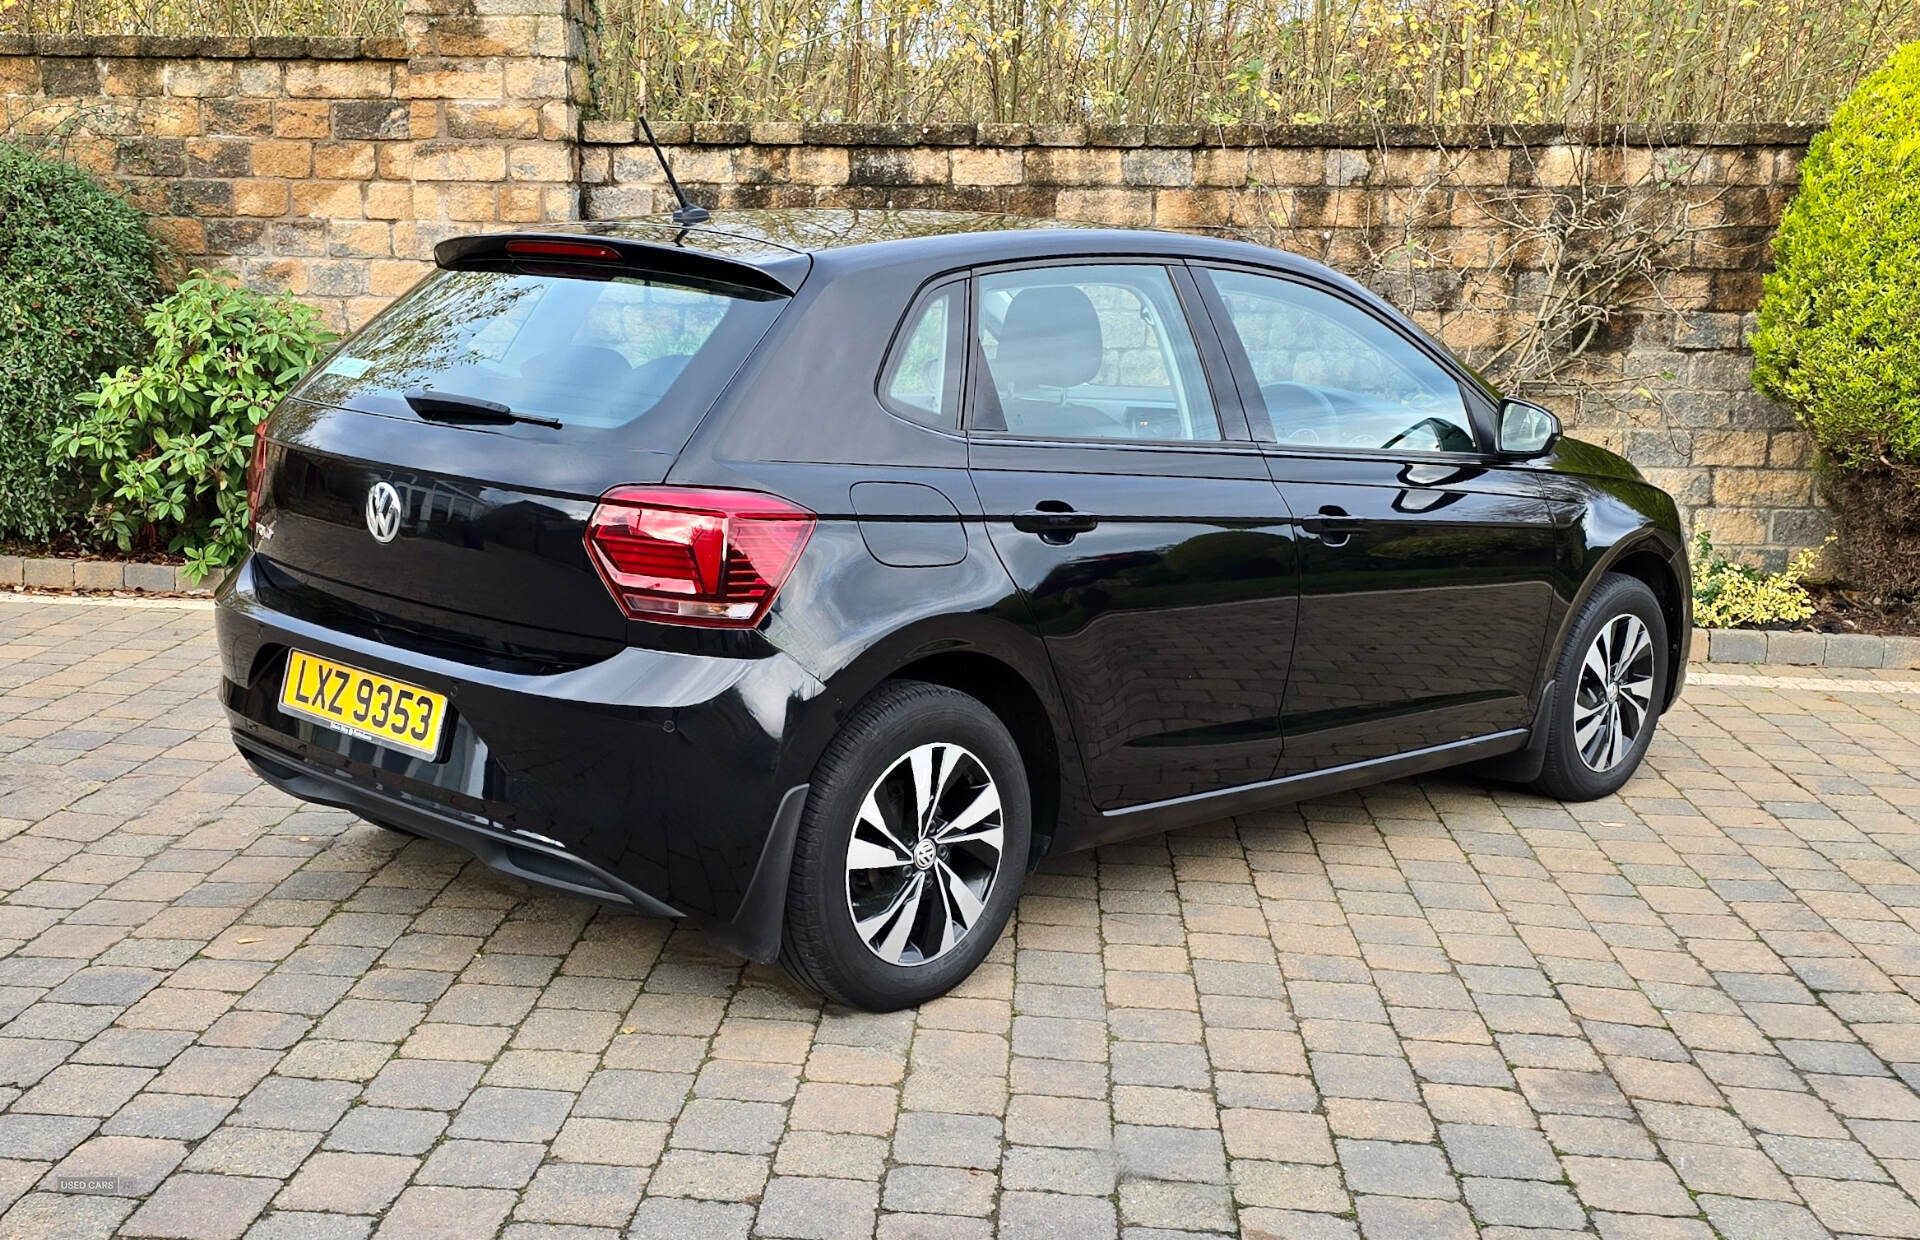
[(1425, 563), (1140, 524)]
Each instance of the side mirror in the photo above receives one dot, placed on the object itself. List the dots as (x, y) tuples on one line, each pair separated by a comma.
[(1526, 430)]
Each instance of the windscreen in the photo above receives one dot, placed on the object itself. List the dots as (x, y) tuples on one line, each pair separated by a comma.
[(584, 352)]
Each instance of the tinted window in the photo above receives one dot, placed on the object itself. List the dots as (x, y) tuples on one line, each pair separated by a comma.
[(921, 383), (1097, 352), (590, 353), (1331, 373)]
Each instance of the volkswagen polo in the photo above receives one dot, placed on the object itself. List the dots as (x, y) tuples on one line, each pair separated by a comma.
[(815, 574)]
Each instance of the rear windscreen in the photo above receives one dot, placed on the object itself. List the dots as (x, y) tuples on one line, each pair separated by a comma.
[(594, 353)]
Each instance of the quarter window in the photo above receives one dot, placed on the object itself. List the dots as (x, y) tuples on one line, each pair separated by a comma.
[(922, 379), (1088, 352), (1330, 373)]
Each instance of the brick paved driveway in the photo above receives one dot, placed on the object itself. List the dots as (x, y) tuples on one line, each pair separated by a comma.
[(1681, 1012)]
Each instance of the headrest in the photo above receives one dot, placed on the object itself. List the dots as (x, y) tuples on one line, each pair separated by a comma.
[(1050, 338)]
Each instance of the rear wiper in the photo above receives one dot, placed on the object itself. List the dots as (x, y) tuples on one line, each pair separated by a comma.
[(453, 407)]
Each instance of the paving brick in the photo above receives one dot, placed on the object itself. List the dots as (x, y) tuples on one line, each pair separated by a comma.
[(1459, 1005), (201, 1207), (347, 1183)]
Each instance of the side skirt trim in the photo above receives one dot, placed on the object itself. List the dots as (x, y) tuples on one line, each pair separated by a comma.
[(1206, 806)]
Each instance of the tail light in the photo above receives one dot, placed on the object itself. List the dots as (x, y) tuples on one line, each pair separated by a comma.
[(591, 251), (686, 556), (257, 473)]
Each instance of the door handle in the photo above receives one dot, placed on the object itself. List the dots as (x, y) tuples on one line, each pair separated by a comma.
[(1333, 526), (1056, 521)]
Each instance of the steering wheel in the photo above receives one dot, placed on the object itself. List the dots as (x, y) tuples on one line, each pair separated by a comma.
[(1330, 415), (1441, 429)]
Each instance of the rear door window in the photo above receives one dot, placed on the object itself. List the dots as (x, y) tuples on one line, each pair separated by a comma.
[(1088, 352), (587, 353)]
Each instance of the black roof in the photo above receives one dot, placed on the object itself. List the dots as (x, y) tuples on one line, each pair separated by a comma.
[(779, 246)]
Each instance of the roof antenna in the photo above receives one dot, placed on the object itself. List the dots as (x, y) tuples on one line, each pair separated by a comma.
[(689, 211)]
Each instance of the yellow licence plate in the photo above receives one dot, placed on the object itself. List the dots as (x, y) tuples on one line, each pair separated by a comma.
[(363, 704)]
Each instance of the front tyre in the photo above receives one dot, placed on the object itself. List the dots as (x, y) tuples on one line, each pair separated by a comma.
[(1611, 684), (911, 852)]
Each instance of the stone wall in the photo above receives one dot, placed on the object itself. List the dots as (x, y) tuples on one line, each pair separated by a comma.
[(330, 167)]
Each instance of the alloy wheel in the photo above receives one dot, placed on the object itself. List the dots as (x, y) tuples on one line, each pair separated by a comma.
[(1614, 698), (924, 854)]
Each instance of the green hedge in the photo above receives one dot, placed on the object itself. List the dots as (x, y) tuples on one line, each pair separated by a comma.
[(77, 272), (1839, 335), (169, 439)]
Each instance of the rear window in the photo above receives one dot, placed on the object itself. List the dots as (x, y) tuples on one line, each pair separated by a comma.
[(592, 353)]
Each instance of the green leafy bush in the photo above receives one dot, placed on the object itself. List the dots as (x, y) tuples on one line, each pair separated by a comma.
[(76, 272), (1729, 595), (170, 438), (1839, 332)]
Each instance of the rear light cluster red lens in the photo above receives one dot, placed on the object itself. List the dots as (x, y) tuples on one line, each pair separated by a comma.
[(257, 472), (693, 556)]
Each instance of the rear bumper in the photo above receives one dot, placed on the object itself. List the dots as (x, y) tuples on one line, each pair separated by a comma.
[(664, 782)]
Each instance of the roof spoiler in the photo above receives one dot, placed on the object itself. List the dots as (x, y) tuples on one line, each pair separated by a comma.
[(514, 251)]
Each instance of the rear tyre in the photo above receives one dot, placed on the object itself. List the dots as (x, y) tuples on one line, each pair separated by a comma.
[(1611, 683), (911, 852)]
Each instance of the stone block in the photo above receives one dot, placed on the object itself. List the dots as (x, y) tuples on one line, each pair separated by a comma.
[(12, 570), (327, 200), (390, 278), (1737, 646), (1073, 166), (343, 161), (125, 77), (202, 79), (301, 118), (1114, 208), (1797, 649), (292, 159), (492, 120), (339, 80), (359, 239), (521, 204), (1856, 650), (368, 119), (48, 573), (814, 165), (235, 236), (20, 75), (388, 200), (546, 78), (1730, 447), (218, 157), (153, 578), (540, 162), (1901, 652), (70, 79), (460, 161), (901, 166), (1157, 167), (1191, 208), (608, 132), (455, 79)]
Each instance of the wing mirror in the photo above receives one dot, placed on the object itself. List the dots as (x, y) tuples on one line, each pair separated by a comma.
[(1526, 430)]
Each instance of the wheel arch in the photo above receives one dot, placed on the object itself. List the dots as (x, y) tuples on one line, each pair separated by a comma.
[(1007, 670), (1019, 707), (1649, 558)]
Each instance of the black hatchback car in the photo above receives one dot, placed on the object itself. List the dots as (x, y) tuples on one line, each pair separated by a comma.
[(813, 574)]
